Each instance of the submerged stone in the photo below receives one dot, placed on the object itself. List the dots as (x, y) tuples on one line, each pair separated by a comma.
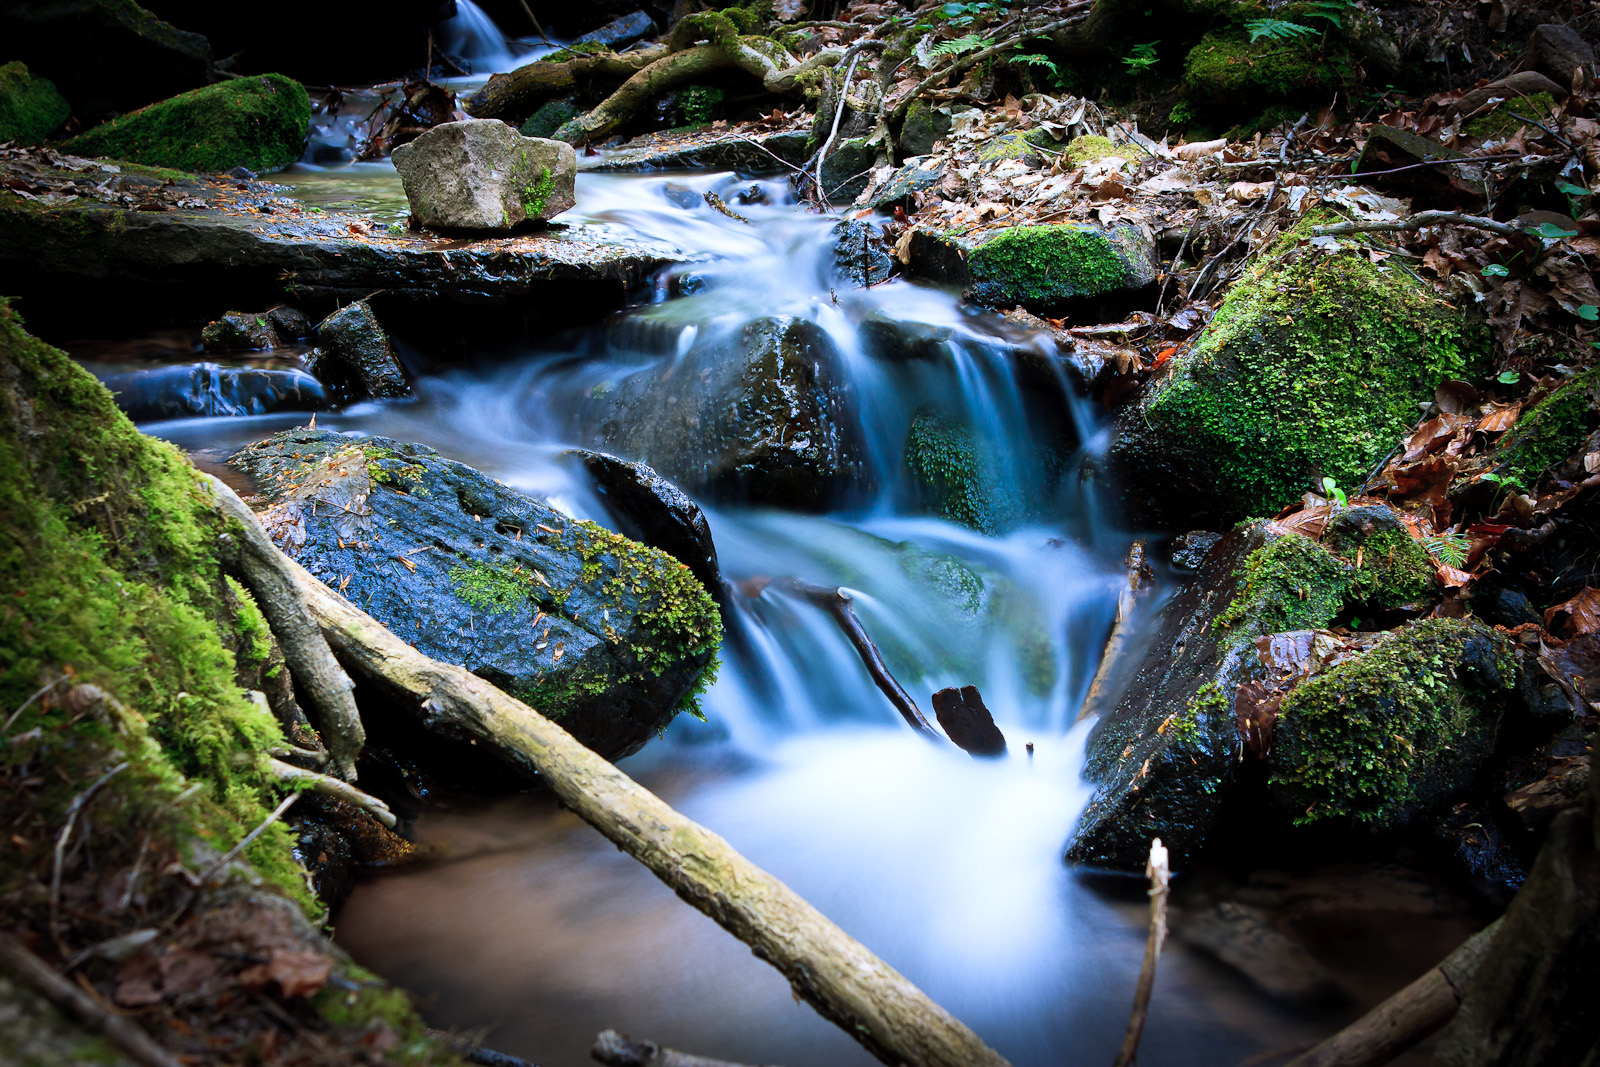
[(596, 631), (30, 107), (861, 253), (195, 390), (484, 175), (258, 123), (956, 478), (240, 331)]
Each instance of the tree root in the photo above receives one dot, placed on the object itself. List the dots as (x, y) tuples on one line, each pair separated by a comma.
[(324, 682), (327, 785), (529, 85)]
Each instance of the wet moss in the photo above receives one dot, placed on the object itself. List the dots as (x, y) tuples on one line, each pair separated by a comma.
[(256, 646), (1039, 266), (536, 195), (497, 588), (955, 480), (259, 123), (1290, 583), (1189, 726), (1365, 740), (1231, 68), (1550, 431), (30, 107), (1391, 569)]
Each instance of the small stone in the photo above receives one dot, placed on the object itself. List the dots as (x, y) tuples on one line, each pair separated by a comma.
[(484, 175), (355, 354), (861, 253), (847, 169), (903, 185), (1189, 550), (290, 323), (240, 331)]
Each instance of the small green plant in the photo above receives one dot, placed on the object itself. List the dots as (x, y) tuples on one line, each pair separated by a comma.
[(1033, 59), (963, 15), (1276, 30), (1448, 548), (700, 104), (1140, 58), (956, 46), (1495, 270), (1331, 490), (1508, 377), (1551, 232), (1589, 313)]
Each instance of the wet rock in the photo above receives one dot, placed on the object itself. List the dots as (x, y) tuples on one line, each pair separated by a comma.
[(197, 390), (1244, 938), (1503, 607), (861, 253), (325, 855), (847, 170), (1189, 550), (967, 721), (30, 107), (1556, 51), (922, 129), (258, 123), (104, 55), (955, 476), (1522, 84), (1313, 366), (904, 184), (240, 331), (355, 358), (549, 117), (599, 632), (1388, 148), (1042, 268), (762, 153), (653, 511), (762, 414), (621, 32), (290, 323), (1475, 846), (484, 175)]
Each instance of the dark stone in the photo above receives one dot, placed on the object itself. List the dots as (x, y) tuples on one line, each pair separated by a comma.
[(355, 355), (847, 170), (619, 33), (1189, 550), (240, 331), (1556, 51), (1388, 148), (598, 632), (968, 722), (653, 511), (922, 129), (903, 185), (861, 253), (1503, 607), (761, 415), (195, 390), (550, 116), (104, 55), (1474, 845), (290, 323), (1521, 84)]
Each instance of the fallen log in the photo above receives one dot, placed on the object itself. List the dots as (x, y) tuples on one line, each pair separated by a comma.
[(837, 975), (1138, 579), (620, 1050), (1407, 1017)]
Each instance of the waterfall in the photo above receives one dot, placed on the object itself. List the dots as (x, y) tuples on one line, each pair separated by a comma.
[(471, 35)]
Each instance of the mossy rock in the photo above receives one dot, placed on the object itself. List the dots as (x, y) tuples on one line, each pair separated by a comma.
[(1044, 268), (848, 169), (956, 479), (1396, 730), (258, 123), (30, 107), (922, 128), (1550, 431), (1088, 148), (550, 116), (1509, 117), (1027, 146), (1314, 365), (1230, 70)]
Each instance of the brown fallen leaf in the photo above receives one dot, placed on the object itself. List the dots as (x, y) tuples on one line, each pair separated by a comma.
[(1575, 617)]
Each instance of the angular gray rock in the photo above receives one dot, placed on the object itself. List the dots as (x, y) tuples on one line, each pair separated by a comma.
[(355, 357), (596, 631), (481, 174), (903, 185), (621, 32)]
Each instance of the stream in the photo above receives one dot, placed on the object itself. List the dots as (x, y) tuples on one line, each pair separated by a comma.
[(540, 933)]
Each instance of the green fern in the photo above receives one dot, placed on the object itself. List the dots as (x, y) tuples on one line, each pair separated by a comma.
[(1276, 30), (956, 46), (1033, 59)]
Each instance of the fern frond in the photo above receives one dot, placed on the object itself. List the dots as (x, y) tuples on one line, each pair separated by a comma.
[(1276, 29)]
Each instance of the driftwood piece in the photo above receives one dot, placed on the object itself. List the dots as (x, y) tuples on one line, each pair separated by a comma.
[(620, 1050), (967, 721), (1407, 1017), (1127, 600), (324, 682), (836, 602), (846, 983), (1160, 875)]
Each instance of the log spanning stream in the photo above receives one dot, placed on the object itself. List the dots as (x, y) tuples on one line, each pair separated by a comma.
[(948, 867)]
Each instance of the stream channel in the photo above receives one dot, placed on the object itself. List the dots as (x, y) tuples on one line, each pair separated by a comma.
[(539, 933)]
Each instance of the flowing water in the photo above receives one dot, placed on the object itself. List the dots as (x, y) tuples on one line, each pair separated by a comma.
[(949, 868)]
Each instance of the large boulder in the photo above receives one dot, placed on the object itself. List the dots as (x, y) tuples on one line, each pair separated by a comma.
[(1043, 268), (598, 632), (484, 175), (1313, 366), (1558, 52), (258, 123), (1169, 751), (104, 55), (761, 415), (30, 107)]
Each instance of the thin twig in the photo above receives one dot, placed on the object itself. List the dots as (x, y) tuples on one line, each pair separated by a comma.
[(25, 704), (73, 810), (1160, 875), (1216, 260), (1161, 297), (249, 837), (330, 786), (535, 20), (1420, 221), (844, 98)]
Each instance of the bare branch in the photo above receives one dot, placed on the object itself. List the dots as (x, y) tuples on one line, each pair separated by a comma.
[(1420, 221)]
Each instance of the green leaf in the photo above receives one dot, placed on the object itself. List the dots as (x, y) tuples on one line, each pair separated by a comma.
[(1589, 313), (1331, 490), (970, 43), (1573, 190), (1495, 270), (1508, 377), (1551, 232), (1276, 29)]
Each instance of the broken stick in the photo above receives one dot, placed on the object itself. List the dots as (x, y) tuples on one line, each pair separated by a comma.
[(620, 1050), (1138, 574), (1160, 875), (870, 1001)]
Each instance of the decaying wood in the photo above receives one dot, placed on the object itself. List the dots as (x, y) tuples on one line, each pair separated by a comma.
[(1407, 1017), (1420, 220), (620, 1050), (1138, 580), (837, 975), (1160, 875), (837, 603), (333, 787), (124, 1033), (967, 721), (530, 85), (321, 679)]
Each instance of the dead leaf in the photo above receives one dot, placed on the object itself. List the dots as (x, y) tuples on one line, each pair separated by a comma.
[(1255, 708), (1200, 149), (1575, 617), (296, 973), (1501, 418)]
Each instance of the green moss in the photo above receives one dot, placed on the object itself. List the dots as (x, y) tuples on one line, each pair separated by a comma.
[(497, 588), (955, 479), (256, 647), (1361, 739), (1088, 148), (109, 573), (1550, 431), (1043, 265), (257, 122), (700, 103), (1393, 569), (1187, 726), (1229, 67), (550, 117), (714, 26), (535, 196), (1016, 146), (1503, 121), (30, 107), (1290, 583), (373, 1004), (1314, 362)]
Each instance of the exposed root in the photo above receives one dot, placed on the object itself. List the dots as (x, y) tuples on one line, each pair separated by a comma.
[(333, 787)]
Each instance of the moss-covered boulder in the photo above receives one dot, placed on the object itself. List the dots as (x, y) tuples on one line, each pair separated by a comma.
[(1042, 268), (1395, 730), (847, 170), (922, 128), (956, 478), (1229, 70), (258, 123), (30, 107), (1165, 756), (1550, 432), (602, 634), (1313, 367)]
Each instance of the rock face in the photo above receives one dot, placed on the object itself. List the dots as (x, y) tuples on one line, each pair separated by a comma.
[(355, 356), (258, 123), (1041, 268), (596, 631), (861, 253), (484, 175), (1169, 751), (1314, 363), (761, 415), (30, 107)]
